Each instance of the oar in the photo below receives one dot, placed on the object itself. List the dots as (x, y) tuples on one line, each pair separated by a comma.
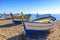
[(23, 20)]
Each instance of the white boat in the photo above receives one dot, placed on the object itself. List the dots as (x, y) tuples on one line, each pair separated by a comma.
[(7, 16), (38, 26)]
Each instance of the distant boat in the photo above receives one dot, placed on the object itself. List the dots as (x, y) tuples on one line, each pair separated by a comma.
[(7, 16), (40, 16)]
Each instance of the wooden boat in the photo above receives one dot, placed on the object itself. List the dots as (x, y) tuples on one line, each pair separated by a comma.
[(42, 23), (7, 16), (34, 27), (18, 20)]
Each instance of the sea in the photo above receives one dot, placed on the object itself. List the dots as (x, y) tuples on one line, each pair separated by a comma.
[(57, 16), (33, 16)]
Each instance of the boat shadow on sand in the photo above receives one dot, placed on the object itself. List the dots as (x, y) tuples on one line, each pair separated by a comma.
[(33, 37), (8, 25), (23, 37)]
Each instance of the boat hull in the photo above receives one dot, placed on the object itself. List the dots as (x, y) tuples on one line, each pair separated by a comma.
[(38, 26)]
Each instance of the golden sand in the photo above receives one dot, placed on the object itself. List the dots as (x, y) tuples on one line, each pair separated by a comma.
[(55, 32), (8, 32)]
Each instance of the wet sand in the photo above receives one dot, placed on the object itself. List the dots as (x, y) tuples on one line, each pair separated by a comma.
[(9, 31)]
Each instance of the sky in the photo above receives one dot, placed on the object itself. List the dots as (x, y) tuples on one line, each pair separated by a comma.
[(30, 6)]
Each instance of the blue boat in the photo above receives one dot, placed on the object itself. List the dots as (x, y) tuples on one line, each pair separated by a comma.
[(35, 27)]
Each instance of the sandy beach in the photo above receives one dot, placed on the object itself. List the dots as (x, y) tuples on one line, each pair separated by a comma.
[(9, 31)]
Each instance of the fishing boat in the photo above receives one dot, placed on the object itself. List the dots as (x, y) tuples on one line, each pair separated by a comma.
[(43, 23), (18, 20), (39, 25), (7, 16)]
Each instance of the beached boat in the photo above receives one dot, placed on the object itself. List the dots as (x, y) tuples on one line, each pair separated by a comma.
[(43, 23), (7, 16), (18, 19), (38, 27)]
